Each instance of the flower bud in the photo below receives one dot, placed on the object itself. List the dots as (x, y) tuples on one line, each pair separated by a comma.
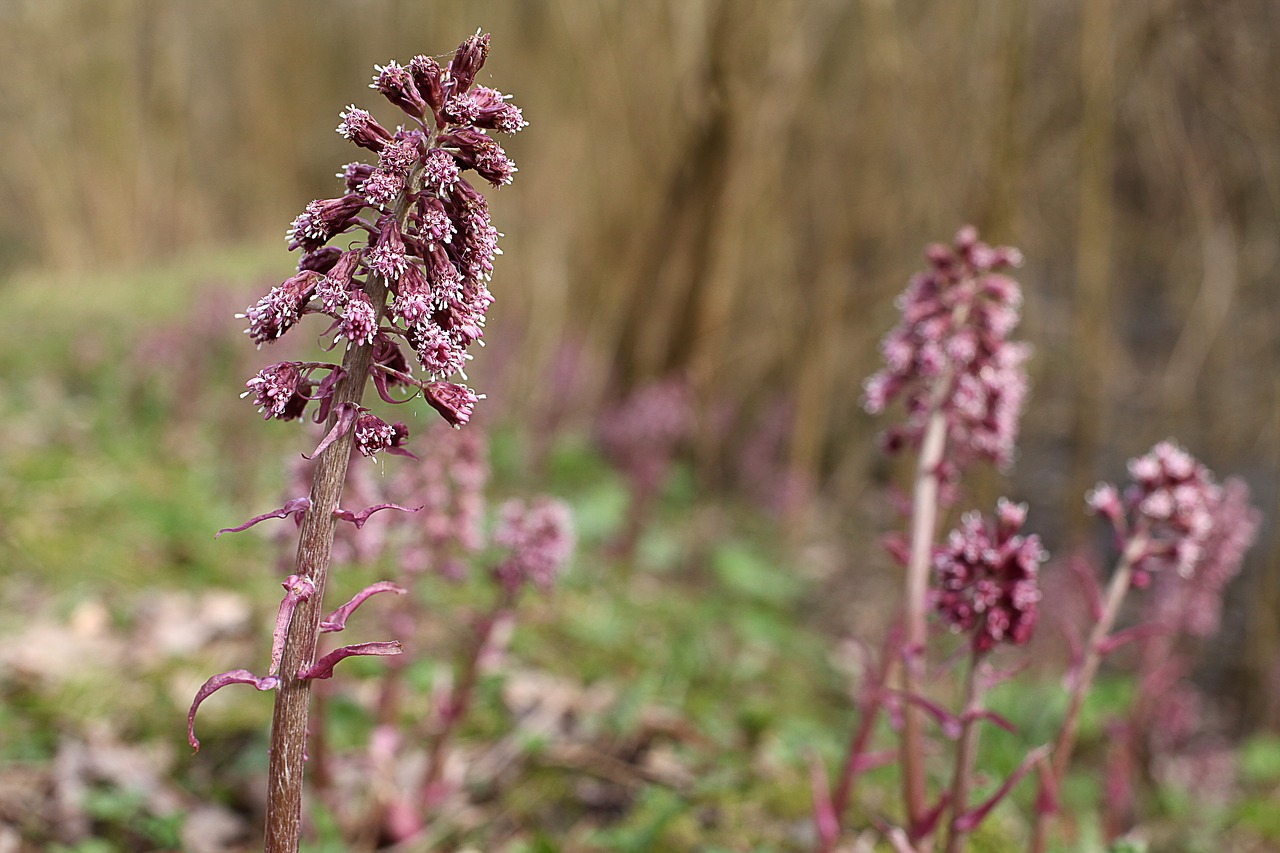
[(372, 434), (455, 403), (388, 257), (426, 76), (468, 61), (277, 312), (396, 83), (363, 129)]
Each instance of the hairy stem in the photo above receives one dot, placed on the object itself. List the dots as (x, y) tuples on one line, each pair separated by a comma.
[(315, 544)]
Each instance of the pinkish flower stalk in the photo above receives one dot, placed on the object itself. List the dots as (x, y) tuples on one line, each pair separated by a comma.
[(427, 254), (640, 435), (539, 539), (966, 753), (988, 587), (963, 383), (1171, 517), (1164, 718), (830, 815)]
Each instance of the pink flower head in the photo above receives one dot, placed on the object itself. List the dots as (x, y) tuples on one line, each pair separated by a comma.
[(372, 434), (988, 578), (495, 112), (641, 433), (433, 221), (455, 403), (400, 156), (323, 219), (474, 149), (396, 83), (440, 355), (413, 303), (1196, 604), (275, 388), (460, 109), (388, 256), (448, 482), (359, 321), (540, 538), (440, 171), (446, 282), (363, 129), (1173, 503), (277, 312), (951, 350), (382, 188)]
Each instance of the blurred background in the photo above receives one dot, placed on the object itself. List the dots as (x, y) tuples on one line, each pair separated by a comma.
[(729, 194)]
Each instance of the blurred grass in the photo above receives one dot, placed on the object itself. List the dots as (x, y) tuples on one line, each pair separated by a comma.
[(734, 190), (122, 448)]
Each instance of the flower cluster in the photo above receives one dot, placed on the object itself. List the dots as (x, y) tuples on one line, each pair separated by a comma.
[(1194, 605), (988, 578), (427, 251), (951, 352), (1169, 509), (540, 538), (641, 433)]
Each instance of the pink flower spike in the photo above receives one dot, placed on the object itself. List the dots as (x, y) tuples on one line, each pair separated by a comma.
[(297, 589), (338, 619), (969, 821), (297, 507), (359, 518), (347, 414), (216, 683), (323, 668)]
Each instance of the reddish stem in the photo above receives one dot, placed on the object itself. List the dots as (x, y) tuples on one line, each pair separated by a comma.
[(966, 752), (870, 703), (459, 701), (1116, 589)]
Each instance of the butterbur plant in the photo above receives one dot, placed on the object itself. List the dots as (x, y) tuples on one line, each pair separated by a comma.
[(1172, 522), (961, 377), (403, 291)]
